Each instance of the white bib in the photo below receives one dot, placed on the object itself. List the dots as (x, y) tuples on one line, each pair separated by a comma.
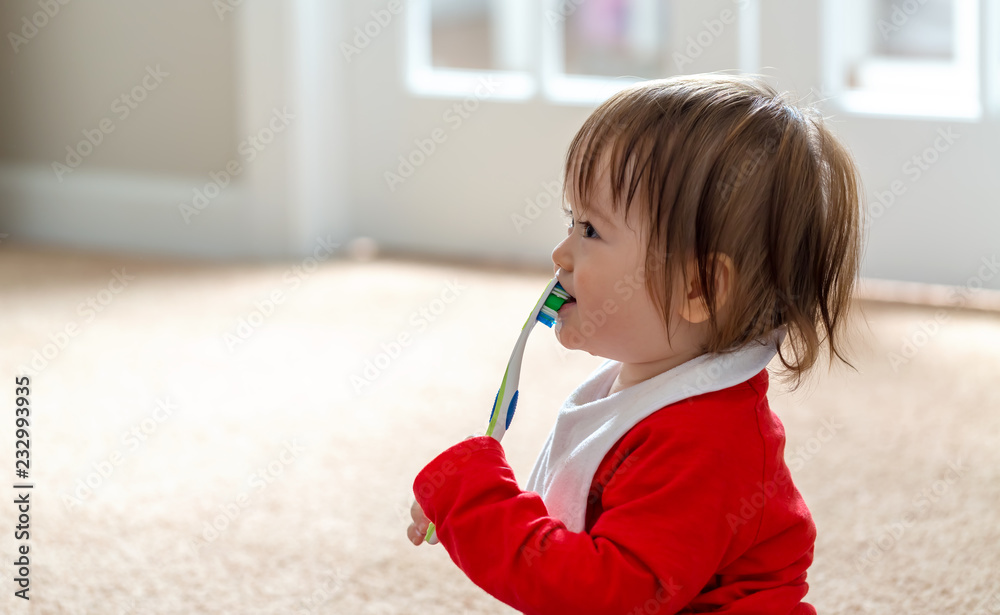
[(590, 421)]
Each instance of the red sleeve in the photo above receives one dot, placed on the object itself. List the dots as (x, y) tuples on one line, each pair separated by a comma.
[(659, 540), (505, 542)]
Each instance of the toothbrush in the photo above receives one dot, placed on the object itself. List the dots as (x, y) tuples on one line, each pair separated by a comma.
[(506, 400)]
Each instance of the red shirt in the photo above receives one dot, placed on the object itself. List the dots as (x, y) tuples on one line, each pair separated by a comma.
[(693, 510)]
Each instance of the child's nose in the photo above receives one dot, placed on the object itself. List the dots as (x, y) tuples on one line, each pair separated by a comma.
[(562, 256)]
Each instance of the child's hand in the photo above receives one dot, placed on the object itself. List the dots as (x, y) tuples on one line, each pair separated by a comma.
[(417, 529)]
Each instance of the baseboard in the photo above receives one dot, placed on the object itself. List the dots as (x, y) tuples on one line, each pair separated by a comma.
[(929, 295), (131, 212)]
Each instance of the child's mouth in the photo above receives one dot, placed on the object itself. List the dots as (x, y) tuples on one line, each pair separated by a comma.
[(570, 301)]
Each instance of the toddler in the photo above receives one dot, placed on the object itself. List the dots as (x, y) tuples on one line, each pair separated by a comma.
[(708, 220)]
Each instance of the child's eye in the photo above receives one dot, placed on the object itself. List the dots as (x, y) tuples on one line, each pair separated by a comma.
[(589, 232)]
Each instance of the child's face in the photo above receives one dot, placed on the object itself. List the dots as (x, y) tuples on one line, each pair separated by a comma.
[(603, 267)]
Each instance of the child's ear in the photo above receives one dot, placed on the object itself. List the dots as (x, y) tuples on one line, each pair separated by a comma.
[(693, 307)]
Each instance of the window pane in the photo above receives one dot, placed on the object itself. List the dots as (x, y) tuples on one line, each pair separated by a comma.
[(461, 34), (617, 38), (916, 29)]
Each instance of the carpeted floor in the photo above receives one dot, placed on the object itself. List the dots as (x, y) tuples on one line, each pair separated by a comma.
[(180, 468)]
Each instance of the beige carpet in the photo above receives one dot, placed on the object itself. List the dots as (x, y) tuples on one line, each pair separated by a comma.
[(310, 479)]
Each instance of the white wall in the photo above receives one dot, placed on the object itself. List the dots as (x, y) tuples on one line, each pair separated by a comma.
[(461, 199), (74, 71), (947, 219), (355, 118), (491, 165), (232, 75)]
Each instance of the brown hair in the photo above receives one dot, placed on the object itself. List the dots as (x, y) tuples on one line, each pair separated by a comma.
[(724, 164)]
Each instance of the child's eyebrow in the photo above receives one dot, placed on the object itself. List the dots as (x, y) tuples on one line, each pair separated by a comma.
[(593, 212), (599, 215)]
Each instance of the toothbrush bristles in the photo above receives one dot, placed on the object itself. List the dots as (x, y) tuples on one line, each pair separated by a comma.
[(550, 308), (560, 292), (547, 317)]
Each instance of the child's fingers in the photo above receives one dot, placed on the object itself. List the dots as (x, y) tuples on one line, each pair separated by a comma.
[(418, 529), (414, 534), (418, 516)]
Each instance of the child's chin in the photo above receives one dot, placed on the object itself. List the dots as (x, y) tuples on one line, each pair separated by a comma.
[(568, 338)]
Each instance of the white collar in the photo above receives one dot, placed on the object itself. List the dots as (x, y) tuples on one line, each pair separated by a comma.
[(590, 421)]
